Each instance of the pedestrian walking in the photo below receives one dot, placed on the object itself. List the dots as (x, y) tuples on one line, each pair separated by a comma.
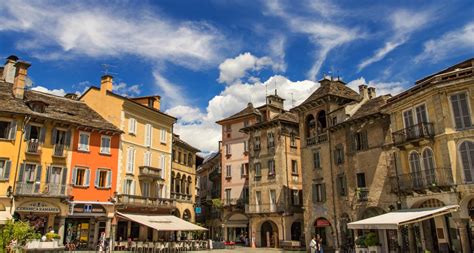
[(313, 245), (319, 242)]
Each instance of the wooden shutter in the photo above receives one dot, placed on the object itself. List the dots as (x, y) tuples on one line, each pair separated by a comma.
[(109, 179), (315, 193), (27, 131), (467, 160), (42, 134), (87, 173), (97, 175), (323, 192), (6, 174), (20, 173), (67, 141), (365, 140), (54, 134), (38, 178), (74, 176), (12, 133), (48, 174), (64, 179)]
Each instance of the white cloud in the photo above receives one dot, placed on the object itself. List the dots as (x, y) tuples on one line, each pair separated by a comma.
[(381, 88), (127, 90), (57, 92), (233, 69), (404, 23), (101, 31), (171, 91), (199, 128), (277, 51), (451, 43), (324, 34)]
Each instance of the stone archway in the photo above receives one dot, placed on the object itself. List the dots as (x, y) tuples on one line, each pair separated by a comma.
[(323, 228), (187, 215), (269, 234)]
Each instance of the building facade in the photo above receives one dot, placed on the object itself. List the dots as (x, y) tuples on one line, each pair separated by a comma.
[(144, 171), (183, 179), (234, 153), (433, 143), (275, 176)]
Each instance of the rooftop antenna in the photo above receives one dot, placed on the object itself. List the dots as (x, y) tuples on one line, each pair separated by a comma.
[(106, 68)]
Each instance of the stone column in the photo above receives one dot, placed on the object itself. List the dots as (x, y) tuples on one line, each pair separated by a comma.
[(108, 225), (461, 224), (62, 224)]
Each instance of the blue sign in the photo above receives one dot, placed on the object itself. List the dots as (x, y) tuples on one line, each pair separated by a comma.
[(198, 210)]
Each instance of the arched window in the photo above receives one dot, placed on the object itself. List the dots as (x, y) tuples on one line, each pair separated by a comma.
[(466, 149), (188, 185), (322, 121), (183, 184), (172, 182), (178, 183), (415, 167), (428, 166), (310, 126)]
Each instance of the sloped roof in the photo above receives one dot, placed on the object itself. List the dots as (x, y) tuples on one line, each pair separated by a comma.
[(245, 112), (286, 116), (179, 141), (370, 107), (333, 88), (58, 108)]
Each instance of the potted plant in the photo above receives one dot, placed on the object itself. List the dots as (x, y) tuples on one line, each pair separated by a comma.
[(360, 246), (15, 235), (372, 243), (54, 238)]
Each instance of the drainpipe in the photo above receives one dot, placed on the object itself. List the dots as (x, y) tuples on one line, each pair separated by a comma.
[(331, 160), (26, 119)]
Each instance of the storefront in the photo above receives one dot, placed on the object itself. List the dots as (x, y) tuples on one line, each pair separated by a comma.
[(85, 223), (236, 227)]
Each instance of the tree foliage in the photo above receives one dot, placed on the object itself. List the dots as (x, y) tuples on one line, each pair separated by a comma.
[(18, 231)]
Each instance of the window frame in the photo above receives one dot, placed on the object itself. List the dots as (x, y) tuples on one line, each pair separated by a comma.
[(228, 171), (86, 179), (10, 130), (132, 126), (258, 172), (469, 109), (271, 169), (318, 165), (294, 167), (163, 136), (466, 141), (130, 160), (108, 178), (79, 144), (6, 165), (108, 151)]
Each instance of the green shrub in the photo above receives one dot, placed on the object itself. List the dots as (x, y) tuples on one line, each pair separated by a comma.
[(19, 231), (51, 236), (371, 240), (360, 241)]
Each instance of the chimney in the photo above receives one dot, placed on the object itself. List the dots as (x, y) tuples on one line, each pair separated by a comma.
[(157, 104), (363, 91), (372, 92), (9, 69), (106, 84), (20, 78)]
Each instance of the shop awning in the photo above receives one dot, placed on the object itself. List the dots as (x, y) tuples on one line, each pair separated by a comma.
[(393, 220), (4, 216), (162, 222)]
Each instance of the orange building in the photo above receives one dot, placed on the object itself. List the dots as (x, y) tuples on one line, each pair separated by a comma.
[(94, 169)]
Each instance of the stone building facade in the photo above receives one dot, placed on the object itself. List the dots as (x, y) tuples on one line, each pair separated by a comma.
[(275, 178), (433, 142)]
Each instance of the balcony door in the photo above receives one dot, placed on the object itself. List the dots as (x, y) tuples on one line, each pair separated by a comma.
[(29, 177), (415, 167), (412, 117), (429, 167), (272, 200)]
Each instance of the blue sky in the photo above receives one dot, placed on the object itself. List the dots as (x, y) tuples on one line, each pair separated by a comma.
[(207, 59)]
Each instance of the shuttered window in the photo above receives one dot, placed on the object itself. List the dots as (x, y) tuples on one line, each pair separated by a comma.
[(163, 136), (148, 135), (319, 193), (103, 178), (81, 176), (5, 166), (105, 144), (130, 160), (466, 150), (132, 126), (317, 160), (461, 113)]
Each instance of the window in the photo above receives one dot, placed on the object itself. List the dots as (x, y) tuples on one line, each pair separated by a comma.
[(130, 160), (258, 170), (163, 163), (272, 198), (163, 136), (7, 130), (294, 167), (258, 198), (148, 135), (246, 123), (295, 197), (103, 178), (334, 121), (129, 187), (173, 155), (292, 140), (34, 133), (339, 154), (132, 126), (227, 195), (5, 166), (83, 141), (428, 166), (244, 169), (147, 158), (414, 116), (145, 187), (341, 185), (257, 143), (317, 160), (466, 150), (361, 180), (80, 177), (271, 168), (246, 146), (60, 137), (190, 160), (271, 140), (228, 171), (29, 172), (105, 144), (227, 149), (461, 113), (319, 192), (228, 128), (179, 156), (53, 175), (359, 141)]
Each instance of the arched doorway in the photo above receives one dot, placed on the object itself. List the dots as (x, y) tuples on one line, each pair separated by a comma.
[(269, 235), (296, 231), (322, 227), (310, 126), (322, 123), (187, 215)]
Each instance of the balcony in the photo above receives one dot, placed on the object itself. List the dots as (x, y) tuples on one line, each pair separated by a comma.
[(42, 189), (362, 194), (141, 201), (413, 134), (33, 147), (265, 208), (436, 180), (238, 203), (59, 150), (320, 138), (150, 172)]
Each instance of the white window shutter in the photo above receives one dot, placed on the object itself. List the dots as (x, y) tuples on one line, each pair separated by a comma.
[(96, 181), (109, 179), (87, 177)]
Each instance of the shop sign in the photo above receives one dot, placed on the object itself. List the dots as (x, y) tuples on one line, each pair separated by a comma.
[(88, 209), (322, 223), (38, 207), (198, 210)]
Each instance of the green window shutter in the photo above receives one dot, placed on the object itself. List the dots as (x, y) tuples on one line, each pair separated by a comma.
[(64, 179), (54, 135), (68, 138), (6, 174), (38, 173), (27, 131), (20, 173), (42, 134), (12, 133), (48, 173), (315, 193)]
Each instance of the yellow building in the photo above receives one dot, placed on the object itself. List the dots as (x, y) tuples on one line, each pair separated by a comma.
[(183, 176), (144, 178), (36, 132), (433, 139)]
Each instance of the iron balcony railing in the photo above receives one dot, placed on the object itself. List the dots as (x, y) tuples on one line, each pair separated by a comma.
[(33, 147), (419, 131), (320, 138), (267, 208), (362, 194), (136, 200), (422, 180), (150, 172), (59, 150), (238, 202), (42, 189)]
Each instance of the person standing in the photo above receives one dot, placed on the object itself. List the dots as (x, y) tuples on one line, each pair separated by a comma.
[(319, 243), (313, 245)]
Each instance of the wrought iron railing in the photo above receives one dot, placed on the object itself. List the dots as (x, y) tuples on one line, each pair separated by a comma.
[(145, 201), (362, 194), (59, 150), (415, 132), (33, 147), (424, 179)]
